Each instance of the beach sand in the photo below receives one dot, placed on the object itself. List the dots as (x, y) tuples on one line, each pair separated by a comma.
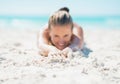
[(20, 62)]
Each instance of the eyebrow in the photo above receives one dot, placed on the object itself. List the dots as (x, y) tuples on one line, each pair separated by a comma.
[(56, 35), (66, 34)]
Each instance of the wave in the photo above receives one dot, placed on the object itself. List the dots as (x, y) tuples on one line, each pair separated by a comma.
[(38, 22), (16, 23)]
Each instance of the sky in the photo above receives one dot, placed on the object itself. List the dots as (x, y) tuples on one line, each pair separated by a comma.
[(47, 7)]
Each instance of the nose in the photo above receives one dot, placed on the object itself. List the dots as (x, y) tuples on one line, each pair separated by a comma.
[(61, 40)]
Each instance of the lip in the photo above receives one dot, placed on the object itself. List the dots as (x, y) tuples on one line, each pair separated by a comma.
[(61, 44)]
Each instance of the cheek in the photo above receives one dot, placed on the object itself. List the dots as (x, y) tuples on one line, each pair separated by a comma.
[(54, 39), (68, 38)]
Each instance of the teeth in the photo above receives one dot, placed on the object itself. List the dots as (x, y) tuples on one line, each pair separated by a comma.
[(61, 44)]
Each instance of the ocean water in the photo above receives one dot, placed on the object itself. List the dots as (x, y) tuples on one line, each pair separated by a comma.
[(36, 22)]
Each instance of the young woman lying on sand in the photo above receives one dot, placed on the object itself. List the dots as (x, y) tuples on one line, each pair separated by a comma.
[(61, 35)]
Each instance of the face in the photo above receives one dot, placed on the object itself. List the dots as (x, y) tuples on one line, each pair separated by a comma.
[(61, 36)]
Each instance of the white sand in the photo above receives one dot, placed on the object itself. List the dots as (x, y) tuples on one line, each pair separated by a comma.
[(21, 64)]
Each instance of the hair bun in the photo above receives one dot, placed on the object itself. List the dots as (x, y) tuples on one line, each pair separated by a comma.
[(64, 9)]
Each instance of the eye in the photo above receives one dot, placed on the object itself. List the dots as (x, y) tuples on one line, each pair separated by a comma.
[(56, 36), (66, 35)]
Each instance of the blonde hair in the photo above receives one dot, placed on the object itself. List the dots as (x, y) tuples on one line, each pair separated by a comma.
[(61, 17)]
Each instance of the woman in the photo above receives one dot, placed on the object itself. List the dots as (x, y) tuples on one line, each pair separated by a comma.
[(61, 35)]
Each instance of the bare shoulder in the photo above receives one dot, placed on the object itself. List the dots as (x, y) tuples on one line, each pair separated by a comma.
[(43, 32), (77, 26), (77, 30), (44, 29), (43, 35)]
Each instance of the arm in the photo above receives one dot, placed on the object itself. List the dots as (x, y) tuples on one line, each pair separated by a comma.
[(77, 41), (43, 42), (78, 32)]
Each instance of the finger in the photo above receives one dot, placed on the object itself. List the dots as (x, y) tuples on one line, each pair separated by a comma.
[(62, 55), (65, 56), (54, 55)]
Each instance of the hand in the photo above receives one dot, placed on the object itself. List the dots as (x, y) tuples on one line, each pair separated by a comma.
[(57, 53), (67, 51), (45, 51)]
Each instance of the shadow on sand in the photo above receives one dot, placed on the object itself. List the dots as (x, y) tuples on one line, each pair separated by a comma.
[(86, 51)]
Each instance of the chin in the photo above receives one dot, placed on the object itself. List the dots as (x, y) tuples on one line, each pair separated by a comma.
[(61, 48)]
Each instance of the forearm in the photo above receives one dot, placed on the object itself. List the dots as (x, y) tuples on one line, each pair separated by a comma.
[(79, 36), (81, 43), (42, 44), (76, 44), (45, 49)]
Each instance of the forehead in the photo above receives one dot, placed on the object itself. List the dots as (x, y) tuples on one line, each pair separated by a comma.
[(59, 28)]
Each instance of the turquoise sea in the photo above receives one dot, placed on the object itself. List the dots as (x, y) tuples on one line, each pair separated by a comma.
[(36, 22)]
